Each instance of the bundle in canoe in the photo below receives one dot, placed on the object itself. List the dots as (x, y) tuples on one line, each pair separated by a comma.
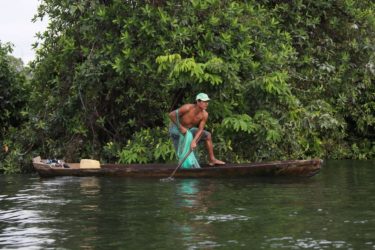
[(293, 168)]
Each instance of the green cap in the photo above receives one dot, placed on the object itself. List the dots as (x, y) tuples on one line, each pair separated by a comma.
[(203, 97)]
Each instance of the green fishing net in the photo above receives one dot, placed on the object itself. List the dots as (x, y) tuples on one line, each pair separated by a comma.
[(184, 148)]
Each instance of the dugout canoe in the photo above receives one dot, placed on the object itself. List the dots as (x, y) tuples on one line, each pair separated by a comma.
[(292, 168)]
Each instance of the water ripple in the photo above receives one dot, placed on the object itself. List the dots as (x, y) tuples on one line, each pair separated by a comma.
[(25, 221), (306, 243), (25, 237), (22, 217), (204, 245), (221, 218)]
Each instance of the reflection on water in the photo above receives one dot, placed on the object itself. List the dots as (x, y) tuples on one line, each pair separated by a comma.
[(89, 186), (187, 193), (333, 210), (193, 198)]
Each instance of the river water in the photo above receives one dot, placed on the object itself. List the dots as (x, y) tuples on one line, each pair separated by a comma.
[(332, 210)]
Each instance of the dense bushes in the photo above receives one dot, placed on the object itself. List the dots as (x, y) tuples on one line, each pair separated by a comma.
[(286, 80), (335, 45), (14, 91)]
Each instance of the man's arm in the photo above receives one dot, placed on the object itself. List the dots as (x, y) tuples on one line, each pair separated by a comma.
[(181, 111), (202, 123)]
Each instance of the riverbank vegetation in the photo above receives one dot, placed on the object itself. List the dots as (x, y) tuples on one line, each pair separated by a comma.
[(288, 80)]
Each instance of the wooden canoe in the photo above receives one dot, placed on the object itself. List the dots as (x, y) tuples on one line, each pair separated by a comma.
[(293, 168)]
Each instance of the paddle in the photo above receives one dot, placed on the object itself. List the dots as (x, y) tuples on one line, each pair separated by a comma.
[(170, 178)]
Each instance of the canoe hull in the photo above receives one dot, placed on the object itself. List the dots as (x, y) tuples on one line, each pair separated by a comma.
[(296, 168)]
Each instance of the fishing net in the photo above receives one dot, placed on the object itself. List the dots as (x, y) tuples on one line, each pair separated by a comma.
[(184, 149)]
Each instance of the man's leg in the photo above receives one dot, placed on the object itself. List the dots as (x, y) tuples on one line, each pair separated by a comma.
[(175, 137), (210, 149), (207, 138)]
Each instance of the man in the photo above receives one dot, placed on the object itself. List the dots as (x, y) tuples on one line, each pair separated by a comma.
[(189, 116)]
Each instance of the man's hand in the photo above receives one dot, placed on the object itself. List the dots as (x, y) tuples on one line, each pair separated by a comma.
[(193, 145), (183, 130)]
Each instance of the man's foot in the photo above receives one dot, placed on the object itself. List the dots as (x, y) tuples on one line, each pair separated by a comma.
[(216, 162)]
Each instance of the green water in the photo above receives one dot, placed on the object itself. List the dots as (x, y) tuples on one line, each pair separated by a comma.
[(332, 210)]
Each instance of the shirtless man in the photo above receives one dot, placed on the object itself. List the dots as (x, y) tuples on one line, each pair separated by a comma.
[(190, 115)]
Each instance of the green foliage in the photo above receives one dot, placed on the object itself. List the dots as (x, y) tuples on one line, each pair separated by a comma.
[(14, 91), (288, 79), (241, 123), (334, 41), (198, 72), (148, 146)]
